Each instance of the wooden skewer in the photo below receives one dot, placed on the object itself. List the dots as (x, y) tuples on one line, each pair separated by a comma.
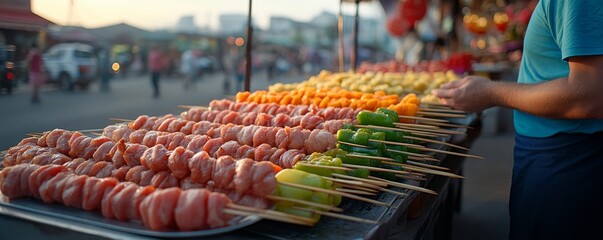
[(445, 125), (376, 169), (423, 170), (411, 177), (445, 115), (422, 118), (373, 190), (402, 185), (427, 165), (399, 130), (33, 135), (353, 144), (354, 191), (120, 120), (454, 153), (427, 130), (348, 195), (348, 182), (272, 212), (442, 110), (324, 166), (374, 182), (423, 159), (369, 157), (96, 133), (304, 202), (393, 192), (415, 125), (432, 135), (410, 154), (267, 216), (415, 146), (340, 216), (436, 141)]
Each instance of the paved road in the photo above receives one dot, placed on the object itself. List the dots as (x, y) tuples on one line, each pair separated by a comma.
[(127, 98)]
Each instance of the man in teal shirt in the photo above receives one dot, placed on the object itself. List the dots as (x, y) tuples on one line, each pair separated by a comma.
[(557, 185)]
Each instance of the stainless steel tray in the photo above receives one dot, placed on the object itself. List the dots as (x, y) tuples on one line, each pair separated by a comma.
[(94, 223)]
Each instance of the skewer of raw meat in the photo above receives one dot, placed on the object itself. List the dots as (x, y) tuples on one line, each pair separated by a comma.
[(216, 147), (308, 121), (328, 113), (187, 210), (164, 168), (317, 140)]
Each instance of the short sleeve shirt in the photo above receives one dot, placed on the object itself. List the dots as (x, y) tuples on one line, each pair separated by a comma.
[(558, 30)]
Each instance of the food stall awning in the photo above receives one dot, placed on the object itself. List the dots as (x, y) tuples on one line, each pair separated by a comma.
[(22, 19)]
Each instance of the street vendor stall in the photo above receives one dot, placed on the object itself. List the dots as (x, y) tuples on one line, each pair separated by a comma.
[(404, 193)]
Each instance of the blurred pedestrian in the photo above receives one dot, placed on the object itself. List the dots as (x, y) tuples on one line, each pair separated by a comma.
[(189, 62), (35, 74), (156, 63)]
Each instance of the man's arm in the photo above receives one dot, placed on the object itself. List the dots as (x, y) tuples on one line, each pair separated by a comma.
[(578, 96)]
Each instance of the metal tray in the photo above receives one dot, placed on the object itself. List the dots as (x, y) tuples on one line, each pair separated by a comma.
[(60, 213)]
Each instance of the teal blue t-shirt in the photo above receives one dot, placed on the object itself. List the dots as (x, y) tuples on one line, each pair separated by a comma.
[(558, 29)]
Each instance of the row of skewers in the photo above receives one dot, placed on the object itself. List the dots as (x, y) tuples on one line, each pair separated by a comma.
[(249, 156)]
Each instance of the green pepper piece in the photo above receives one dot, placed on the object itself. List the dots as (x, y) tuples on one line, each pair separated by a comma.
[(378, 145), (394, 136), (361, 138), (367, 151), (323, 160), (371, 118), (399, 157), (367, 130), (315, 170), (359, 173), (351, 136), (360, 160), (348, 126), (345, 135), (393, 115)]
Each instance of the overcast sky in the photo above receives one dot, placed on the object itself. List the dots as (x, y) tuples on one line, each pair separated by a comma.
[(156, 14)]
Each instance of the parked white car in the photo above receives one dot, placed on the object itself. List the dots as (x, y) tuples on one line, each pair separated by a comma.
[(71, 64)]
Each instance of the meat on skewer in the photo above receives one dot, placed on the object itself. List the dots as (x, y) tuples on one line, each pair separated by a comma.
[(308, 121), (186, 210), (246, 135), (162, 168), (329, 113)]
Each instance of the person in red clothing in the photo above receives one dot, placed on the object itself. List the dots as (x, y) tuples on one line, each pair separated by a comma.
[(156, 63), (35, 74)]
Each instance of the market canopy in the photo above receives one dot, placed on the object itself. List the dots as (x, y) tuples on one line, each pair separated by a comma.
[(22, 19)]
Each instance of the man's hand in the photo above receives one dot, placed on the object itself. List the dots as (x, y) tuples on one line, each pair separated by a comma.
[(471, 93)]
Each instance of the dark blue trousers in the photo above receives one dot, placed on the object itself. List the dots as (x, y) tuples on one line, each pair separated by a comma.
[(557, 187)]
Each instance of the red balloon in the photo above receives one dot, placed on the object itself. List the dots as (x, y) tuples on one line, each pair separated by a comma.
[(413, 10), (396, 26)]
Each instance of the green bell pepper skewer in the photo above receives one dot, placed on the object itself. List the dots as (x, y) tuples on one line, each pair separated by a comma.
[(372, 118), (393, 115)]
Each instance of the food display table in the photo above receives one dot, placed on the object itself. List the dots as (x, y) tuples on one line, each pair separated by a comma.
[(415, 216)]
